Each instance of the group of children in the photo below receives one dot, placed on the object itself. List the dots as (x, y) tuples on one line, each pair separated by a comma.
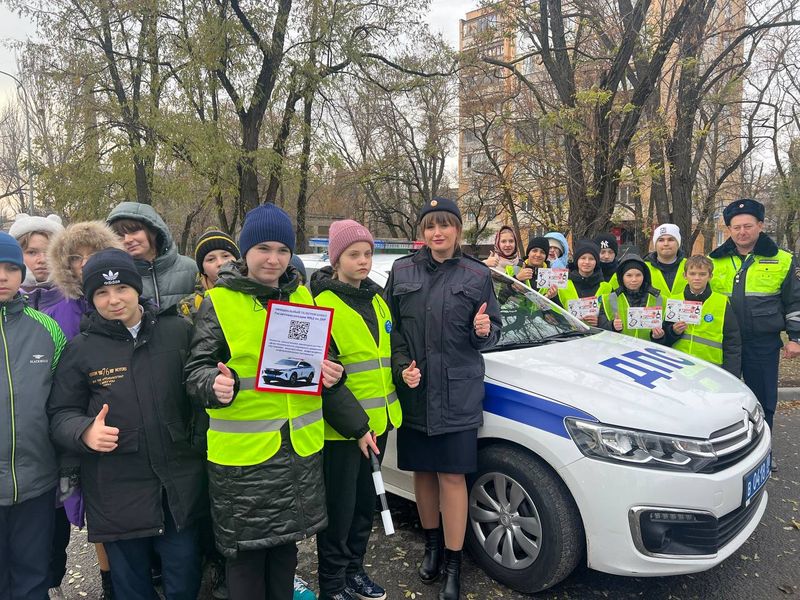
[(630, 282), (139, 412)]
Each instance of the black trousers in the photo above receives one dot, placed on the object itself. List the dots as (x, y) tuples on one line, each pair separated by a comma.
[(26, 535), (58, 554), (760, 371), (267, 574), (351, 506)]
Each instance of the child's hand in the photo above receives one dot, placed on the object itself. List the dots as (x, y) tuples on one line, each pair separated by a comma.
[(223, 384), (368, 441), (525, 274), (492, 261), (679, 327), (100, 437), (590, 320), (657, 332), (617, 323), (552, 292), (412, 375), (331, 373)]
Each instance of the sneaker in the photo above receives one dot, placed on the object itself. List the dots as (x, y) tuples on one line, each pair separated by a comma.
[(302, 591), (55, 593), (343, 595), (362, 587)]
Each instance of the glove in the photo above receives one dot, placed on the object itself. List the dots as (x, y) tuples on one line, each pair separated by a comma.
[(68, 482)]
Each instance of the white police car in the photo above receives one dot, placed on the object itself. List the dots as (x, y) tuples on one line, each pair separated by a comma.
[(637, 458)]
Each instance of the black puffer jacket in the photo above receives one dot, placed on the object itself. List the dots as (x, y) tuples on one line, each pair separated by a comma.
[(434, 305), (142, 383), (281, 500)]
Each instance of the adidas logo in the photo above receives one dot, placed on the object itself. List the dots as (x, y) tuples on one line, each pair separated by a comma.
[(111, 278)]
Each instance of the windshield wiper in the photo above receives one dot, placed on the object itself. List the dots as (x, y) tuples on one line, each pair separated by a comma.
[(568, 334), (516, 345)]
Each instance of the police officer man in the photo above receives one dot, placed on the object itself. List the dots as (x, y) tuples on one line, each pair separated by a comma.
[(763, 284)]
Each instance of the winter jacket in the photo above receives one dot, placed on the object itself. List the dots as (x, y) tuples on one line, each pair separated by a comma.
[(760, 315), (281, 500), (171, 276), (672, 274), (141, 380), (31, 345), (434, 305), (340, 408), (562, 261), (731, 335)]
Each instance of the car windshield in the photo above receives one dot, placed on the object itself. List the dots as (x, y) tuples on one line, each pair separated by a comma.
[(529, 318), (288, 363)]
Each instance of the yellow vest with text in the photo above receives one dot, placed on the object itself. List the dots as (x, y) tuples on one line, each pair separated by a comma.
[(765, 275), (658, 281), (618, 304), (248, 431), (368, 366), (571, 292), (704, 340)]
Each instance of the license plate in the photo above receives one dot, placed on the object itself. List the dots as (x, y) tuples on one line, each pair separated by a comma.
[(756, 479)]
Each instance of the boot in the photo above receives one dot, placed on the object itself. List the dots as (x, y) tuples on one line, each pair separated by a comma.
[(108, 588), (451, 586), (431, 566)]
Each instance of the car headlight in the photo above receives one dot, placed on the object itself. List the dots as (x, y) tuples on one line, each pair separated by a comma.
[(640, 448), (757, 417)]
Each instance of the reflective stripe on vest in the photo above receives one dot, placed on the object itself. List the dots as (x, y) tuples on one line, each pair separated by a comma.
[(618, 305), (704, 340), (248, 431), (657, 281), (368, 366), (763, 277), (571, 292)]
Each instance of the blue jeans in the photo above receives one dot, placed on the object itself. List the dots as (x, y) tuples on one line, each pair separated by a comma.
[(26, 535), (180, 564)]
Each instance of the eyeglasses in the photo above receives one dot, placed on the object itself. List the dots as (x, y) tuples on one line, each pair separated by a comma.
[(79, 259)]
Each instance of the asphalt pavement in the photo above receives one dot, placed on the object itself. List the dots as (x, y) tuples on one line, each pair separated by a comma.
[(767, 566)]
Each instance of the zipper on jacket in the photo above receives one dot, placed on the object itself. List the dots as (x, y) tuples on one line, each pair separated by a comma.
[(298, 498), (152, 268), (13, 416)]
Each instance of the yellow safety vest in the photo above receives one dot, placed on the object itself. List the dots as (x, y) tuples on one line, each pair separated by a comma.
[(618, 304), (248, 431), (658, 281), (764, 276), (704, 340), (368, 366)]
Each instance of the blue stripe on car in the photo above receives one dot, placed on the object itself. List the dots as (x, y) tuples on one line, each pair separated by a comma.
[(537, 412)]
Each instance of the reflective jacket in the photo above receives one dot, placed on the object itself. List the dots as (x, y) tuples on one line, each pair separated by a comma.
[(763, 287)]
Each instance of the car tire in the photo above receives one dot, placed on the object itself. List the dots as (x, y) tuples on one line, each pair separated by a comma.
[(293, 378), (310, 378), (537, 539)]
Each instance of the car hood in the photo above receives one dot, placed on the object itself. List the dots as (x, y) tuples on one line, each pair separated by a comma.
[(627, 382), (277, 367)]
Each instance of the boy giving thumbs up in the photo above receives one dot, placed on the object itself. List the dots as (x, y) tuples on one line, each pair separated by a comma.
[(118, 402)]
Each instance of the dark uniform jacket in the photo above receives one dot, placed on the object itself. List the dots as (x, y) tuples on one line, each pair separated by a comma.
[(142, 382), (433, 305)]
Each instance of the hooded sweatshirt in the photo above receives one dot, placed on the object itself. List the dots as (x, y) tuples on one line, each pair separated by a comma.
[(562, 261), (171, 276)]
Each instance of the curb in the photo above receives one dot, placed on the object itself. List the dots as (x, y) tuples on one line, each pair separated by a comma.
[(787, 394)]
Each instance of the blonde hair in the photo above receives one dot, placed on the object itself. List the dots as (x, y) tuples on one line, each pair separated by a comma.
[(25, 238), (698, 261)]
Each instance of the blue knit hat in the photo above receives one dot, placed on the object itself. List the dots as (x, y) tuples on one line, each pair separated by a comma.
[(11, 252), (266, 223)]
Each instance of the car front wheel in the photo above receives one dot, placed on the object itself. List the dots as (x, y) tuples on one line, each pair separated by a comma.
[(524, 528)]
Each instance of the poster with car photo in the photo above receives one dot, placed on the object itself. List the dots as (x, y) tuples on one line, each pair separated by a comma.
[(295, 342)]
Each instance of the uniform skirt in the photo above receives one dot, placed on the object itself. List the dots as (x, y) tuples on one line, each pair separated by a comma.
[(446, 453)]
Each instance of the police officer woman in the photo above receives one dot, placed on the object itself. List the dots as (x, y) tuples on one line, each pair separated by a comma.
[(445, 313)]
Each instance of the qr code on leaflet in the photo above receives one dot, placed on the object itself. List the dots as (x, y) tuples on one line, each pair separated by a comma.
[(298, 330)]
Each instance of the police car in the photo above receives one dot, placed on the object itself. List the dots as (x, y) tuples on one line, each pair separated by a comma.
[(631, 456)]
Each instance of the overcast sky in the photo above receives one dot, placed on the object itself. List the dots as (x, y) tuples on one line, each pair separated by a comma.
[(444, 16)]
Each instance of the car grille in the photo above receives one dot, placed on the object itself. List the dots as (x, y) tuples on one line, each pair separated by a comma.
[(733, 443)]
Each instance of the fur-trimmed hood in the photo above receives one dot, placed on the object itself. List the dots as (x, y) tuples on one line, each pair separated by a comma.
[(87, 235)]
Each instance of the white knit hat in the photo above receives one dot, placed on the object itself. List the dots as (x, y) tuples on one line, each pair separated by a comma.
[(24, 223), (667, 229)]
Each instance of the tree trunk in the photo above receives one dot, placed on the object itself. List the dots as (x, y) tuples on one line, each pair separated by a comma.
[(248, 173), (305, 165)]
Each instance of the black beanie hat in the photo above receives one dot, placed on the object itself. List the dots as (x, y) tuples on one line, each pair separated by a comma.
[(538, 242), (586, 247), (607, 240), (214, 239), (443, 204), (109, 267)]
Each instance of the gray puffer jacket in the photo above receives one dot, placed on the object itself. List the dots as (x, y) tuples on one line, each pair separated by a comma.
[(280, 500), (31, 347), (171, 276)]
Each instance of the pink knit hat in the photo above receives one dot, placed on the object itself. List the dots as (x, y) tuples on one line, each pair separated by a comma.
[(344, 233)]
